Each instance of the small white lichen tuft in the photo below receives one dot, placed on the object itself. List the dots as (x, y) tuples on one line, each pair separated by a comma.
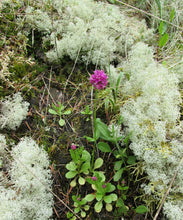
[(30, 196), (13, 111)]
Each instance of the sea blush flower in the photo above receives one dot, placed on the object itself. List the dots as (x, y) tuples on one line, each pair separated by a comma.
[(104, 186), (73, 147), (94, 178), (98, 79)]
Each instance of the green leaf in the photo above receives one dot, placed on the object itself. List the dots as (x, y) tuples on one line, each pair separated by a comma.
[(131, 160), (113, 197), (100, 175), (84, 168), (108, 207), (67, 112), (71, 166), (172, 14), (82, 202), (73, 183), (104, 131), (117, 164), (99, 196), (104, 147), (76, 210), (89, 197), (118, 174), (141, 209), (69, 214), (107, 199), (98, 163), (163, 40), (74, 198), (90, 139), (98, 206), (120, 203), (111, 187), (86, 156), (162, 28), (61, 122), (123, 188), (53, 112), (71, 174), (81, 180), (83, 214), (86, 207)]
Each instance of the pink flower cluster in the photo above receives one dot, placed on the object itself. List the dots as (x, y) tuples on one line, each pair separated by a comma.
[(98, 79), (73, 147)]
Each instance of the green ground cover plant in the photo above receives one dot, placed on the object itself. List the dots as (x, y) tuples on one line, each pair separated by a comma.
[(91, 109)]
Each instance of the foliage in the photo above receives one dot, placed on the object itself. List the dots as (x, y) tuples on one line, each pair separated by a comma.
[(79, 165), (58, 110), (103, 193), (87, 112)]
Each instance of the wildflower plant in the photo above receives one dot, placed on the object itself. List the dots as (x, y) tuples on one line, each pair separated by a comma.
[(99, 81), (103, 193), (79, 165), (58, 109), (80, 205), (87, 112)]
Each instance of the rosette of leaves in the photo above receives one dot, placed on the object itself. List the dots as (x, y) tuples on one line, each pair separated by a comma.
[(58, 109), (80, 205), (87, 112), (79, 166), (103, 194)]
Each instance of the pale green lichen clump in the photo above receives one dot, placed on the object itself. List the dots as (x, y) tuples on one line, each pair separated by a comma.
[(13, 111), (152, 112), (29, 198), (92, 32)]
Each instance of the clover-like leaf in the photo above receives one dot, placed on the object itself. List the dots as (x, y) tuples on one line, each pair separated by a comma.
[(86, 207), (113, 197), (89, 197), (71, 174), (73, 183), (86, 156), (108, 207), (98, 163), (98, 206), (107, 199), (83, 214), (71, 166), (99, 196), (81, 180), (76, 210), (84, 168), (61, 122)]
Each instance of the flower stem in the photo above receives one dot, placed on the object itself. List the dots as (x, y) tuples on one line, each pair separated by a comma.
[(94, 130)]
